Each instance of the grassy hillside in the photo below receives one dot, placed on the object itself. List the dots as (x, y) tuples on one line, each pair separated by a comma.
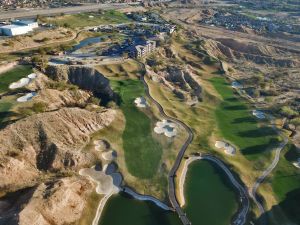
[(237, 124)]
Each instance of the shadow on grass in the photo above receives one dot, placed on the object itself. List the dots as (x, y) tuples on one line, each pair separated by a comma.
[(290, 206), (292, 154), (256, 149), (259, 132), (235, 107), (232, 99), (3, 118), (248, 119)]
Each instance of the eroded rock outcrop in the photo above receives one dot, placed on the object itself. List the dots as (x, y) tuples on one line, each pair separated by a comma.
[(44, 142), (60, 202), (180, 81), (84, 77)]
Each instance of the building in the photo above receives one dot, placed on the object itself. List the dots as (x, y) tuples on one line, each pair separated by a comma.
[(140, 51), (18, 27), (12, 30), (29, 23)]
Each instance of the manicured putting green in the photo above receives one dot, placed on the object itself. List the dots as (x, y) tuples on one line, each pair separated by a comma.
[(238, 125), (142, 152)]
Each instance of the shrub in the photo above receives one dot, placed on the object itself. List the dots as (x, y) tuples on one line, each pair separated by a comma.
[(295, 121), (39, 107), (112, 105), (288, 112), (94, 100)]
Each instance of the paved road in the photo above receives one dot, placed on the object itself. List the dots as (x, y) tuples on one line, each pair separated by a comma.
[(67, 10), (265, 174), (241, 215), (172, 174)]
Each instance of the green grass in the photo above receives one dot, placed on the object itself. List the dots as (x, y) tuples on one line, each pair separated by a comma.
[(142, 152), (6, 112), (237, 124), (5, 106), (84, 19), (287, 176), (286, 186), (13, 75)]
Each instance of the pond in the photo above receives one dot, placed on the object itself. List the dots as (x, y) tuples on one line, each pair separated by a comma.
[(123, 210), (210, 196)]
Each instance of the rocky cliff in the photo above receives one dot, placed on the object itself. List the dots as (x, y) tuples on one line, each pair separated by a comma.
[(85, 78)]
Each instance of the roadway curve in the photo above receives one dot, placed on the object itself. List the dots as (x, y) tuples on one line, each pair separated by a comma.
[(253, 192), (241, 216)]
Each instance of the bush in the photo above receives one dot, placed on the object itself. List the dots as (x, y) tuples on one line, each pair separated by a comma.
[(39, 107), (94, 100), (112, 105), (295, 121), (288, 112)]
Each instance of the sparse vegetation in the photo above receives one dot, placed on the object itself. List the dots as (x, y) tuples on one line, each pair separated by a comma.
[(288, 112), (37, 107), (61, 86)]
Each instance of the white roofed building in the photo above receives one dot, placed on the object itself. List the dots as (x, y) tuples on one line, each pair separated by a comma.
[(18, 27), (13, 30)]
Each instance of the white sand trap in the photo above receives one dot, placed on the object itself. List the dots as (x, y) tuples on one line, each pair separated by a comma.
[(165, 127), (26, 97), (228, 149), (236, 84), (140, 102), (297, 163), (101, 145), (106, 184), (23, 82), (32, 76), (258, 114), (109, 156)]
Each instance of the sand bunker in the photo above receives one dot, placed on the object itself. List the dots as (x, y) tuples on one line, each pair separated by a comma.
[(109, 155), (258, 114), (165, 127), (23, 82), (106, 184), (228, 149), (26, 97), (236, 84), (140, 102), (101, 145), (297, 163)]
